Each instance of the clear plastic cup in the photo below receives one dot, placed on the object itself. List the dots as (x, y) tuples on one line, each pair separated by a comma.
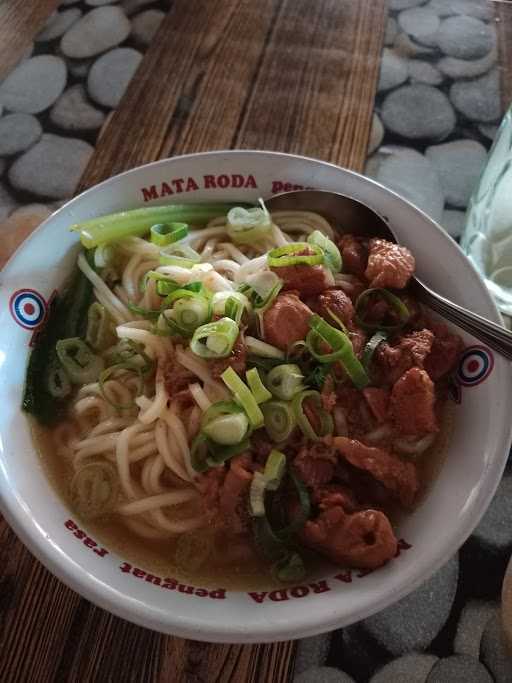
[(487, 238)]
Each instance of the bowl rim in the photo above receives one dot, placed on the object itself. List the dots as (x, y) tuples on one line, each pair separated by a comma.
[(119, 603)]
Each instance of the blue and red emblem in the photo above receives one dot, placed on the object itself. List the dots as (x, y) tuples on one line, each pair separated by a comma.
[(28, 308), (476, 364)]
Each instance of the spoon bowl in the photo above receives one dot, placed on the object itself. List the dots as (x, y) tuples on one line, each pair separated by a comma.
[(349, 215)]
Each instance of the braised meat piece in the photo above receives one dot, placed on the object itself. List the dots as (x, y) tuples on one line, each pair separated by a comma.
[(176, 377), (286, 321), (412, 404), (335, 301), (315, 464), (390, 362), (354, 253), (389, 265), (445, 352), (378, 402), (307, 280), (363, 539), (399, 477)]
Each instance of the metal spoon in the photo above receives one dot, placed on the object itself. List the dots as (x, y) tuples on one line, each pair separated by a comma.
[(359, 219)]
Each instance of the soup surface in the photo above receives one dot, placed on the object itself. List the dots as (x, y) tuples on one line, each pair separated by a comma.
[(236, 398)]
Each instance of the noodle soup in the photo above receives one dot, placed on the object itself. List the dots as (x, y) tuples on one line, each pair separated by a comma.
[(222, 392)]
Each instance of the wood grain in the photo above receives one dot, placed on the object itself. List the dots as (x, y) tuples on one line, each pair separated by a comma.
[(503, 11), (291, 75), (20, 21)]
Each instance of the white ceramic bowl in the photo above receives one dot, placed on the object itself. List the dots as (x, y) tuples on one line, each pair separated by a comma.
[(456, 502)]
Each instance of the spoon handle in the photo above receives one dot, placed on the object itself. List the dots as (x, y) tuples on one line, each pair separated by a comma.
[(496, 337)]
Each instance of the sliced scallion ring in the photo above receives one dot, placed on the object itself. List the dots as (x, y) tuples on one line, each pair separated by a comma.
[(243, 396), (225, 423), (295, 254), (258, 389), (394, 302), (284, 381), (163, 234), (332, 256), (301, 411), (246, 226), (280, 420), (215, 340)]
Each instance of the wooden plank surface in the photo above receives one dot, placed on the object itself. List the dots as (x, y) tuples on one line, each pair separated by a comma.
[(20, 21), (291, 75)]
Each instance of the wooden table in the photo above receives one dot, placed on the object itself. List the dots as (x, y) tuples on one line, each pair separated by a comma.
[(291, 75)]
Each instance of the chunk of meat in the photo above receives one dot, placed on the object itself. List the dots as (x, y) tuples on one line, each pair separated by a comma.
[(357, 336), (378, 401), (399, 477), (315, 464), (335, 301), (355, 409), (391, 362), (351, 285), (445, 352), (330, 495), (354, 253), (363, 539), (209, 485), (176, 378), (237, 360), (261, 446), (307, 280), (286, 321), (412, 404), (389, 265), (236, 486)]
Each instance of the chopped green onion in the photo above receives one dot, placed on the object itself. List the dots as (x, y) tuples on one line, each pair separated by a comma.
[(165, 287), (164, 284), (295, 254), (225, 423), (322, 332), (179, 255), (99, 334), (257, 495), (57, 381), (284, 381), (258, 389), (148, 313), (204, 453), (395, 303), (108, 372), (163, 234), (279, 420), (234, 309), (94, 489), (274, 469), (269, 480), (189, 311), (305, 509), (289, 570), (261, 348), (246, 226), (243, 396), (128, 350), (137, 222), (215, 340), (371, 347), (332, 256), (220, 299), (301, 410), (104, 255), (272, 547), (81, 365), (262, 288)]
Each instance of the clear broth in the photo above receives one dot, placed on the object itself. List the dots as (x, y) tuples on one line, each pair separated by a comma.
[(157, 556)]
